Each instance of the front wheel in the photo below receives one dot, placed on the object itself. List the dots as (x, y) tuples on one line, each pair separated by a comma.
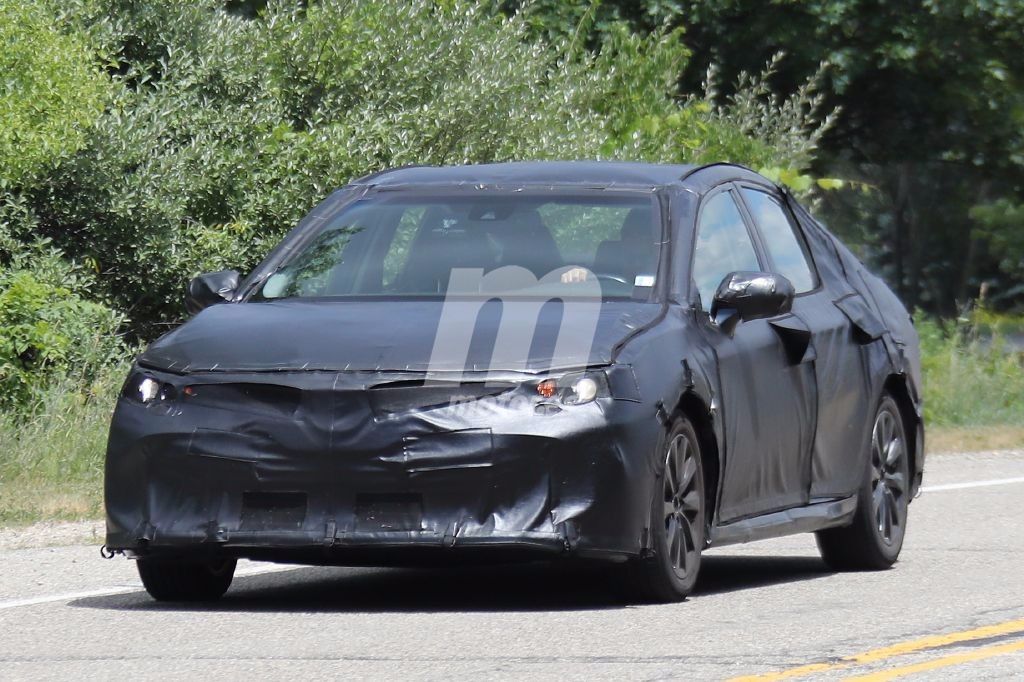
[(167, 580), (677, 521), (874, 539)]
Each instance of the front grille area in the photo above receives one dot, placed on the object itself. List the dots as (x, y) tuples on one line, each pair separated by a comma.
[(407, 396), (270, 399)]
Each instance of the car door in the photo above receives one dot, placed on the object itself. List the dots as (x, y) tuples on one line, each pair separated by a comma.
[(844, 400), (767, 399)]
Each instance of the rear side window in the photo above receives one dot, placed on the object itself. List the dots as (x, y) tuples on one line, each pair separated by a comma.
[(785, 248), (723, 246)]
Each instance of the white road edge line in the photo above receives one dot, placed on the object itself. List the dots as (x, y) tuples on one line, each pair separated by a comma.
[(970, 484), (121, 589), (68, 596)]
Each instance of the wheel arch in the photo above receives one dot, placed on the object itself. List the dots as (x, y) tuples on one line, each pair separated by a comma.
[(697, 411), (897, 386)]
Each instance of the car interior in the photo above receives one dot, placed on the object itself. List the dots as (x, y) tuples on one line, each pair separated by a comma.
[(412, 251)]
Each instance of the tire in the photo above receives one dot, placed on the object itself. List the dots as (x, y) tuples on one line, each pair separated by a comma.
[(186, 580), (874, 539), (677, 521)]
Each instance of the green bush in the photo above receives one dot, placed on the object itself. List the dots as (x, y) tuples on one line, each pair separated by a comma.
[(225, 130), (50, 92), (47, 334)]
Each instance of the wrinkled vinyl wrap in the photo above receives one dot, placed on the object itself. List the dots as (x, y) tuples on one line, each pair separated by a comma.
[(307, 437)]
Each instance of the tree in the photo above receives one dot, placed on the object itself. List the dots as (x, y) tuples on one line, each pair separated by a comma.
[(931, 100), (50, 91), (229, 122)]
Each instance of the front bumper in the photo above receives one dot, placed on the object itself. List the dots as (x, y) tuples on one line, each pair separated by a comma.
[(307, 467)]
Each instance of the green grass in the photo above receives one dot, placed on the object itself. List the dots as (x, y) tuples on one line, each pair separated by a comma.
[(972, 377), (51, 457)]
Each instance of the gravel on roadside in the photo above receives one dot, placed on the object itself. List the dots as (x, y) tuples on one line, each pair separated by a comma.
[(50, 533)]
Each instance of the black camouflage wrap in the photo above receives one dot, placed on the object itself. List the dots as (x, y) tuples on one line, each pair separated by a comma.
[(308, 434)]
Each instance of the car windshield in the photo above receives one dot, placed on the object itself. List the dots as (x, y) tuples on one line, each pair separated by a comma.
[(413, 244)]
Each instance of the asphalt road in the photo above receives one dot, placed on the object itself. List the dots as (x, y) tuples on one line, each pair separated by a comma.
[(952, 607)]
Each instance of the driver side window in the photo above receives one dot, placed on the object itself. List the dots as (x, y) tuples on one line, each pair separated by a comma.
[(722, 246)]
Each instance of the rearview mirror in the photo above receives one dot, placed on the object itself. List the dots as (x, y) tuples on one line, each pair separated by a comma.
[(210, 288), (750, 296)]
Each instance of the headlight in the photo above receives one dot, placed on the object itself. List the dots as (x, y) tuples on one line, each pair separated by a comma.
[(577, 388), (148, 389), (144, 389), (584, 390)]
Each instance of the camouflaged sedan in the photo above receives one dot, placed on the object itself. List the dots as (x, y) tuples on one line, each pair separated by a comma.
[(620, 362)]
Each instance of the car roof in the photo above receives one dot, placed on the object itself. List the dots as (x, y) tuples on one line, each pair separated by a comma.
[(592, 173), (600, 174)]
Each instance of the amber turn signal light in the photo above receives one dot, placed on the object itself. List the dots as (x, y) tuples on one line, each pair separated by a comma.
[(547, 388)]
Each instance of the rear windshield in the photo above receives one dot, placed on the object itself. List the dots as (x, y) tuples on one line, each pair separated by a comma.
[(406, 244)]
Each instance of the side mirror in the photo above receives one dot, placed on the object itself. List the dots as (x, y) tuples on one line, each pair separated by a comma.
[(750, 296), (210, 288)]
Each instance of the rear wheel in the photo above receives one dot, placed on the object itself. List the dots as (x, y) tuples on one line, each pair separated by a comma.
[(874, 539), (677, 521), (186, 580)]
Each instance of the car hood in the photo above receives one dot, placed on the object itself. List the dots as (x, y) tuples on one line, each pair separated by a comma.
[(379, 336)]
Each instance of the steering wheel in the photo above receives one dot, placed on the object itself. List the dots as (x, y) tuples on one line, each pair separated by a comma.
[(613, 278)]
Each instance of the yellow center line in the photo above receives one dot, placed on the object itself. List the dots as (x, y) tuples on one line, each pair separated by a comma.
[(936, 663), (875, 655)]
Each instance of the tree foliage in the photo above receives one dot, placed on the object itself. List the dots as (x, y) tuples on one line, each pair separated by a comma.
[(227, 123), (49, 332), (932, 99), (49, 91), (931, 122), (1001, 225)]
